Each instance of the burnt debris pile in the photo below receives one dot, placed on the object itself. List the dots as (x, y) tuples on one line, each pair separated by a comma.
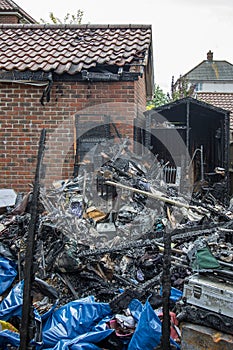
[(102, 235)]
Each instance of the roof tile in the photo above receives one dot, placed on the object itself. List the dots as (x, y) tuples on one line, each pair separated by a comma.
[(211, 71), (223, 100), (11, 6), (71, 48)]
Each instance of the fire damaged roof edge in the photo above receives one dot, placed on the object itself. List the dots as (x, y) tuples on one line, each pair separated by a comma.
[(190, 100), (77, 48)]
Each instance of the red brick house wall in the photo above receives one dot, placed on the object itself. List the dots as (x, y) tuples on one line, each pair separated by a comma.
[(12, 19), (23, 117)]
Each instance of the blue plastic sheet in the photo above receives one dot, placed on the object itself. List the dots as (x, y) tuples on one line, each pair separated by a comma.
[(8, 337), (85, 346), (102, 325), (84, 341), (8, 273), (12, 304), (47, 314), (175, 294), (148, 332), (136, 308), (73, 319), (149, 329)]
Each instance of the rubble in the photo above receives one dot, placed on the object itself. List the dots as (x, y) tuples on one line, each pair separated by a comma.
[(100, 245)]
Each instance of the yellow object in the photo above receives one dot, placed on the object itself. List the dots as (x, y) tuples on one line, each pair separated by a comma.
[(6, 325)]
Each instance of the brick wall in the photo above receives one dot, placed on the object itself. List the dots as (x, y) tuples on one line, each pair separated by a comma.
[(23, 117), (9, 19)]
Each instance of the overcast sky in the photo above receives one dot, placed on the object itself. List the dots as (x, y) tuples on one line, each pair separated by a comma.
[(183, 30)]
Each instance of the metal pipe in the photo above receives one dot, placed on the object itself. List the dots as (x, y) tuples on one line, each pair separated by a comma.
[(202, 164), (202, 160)]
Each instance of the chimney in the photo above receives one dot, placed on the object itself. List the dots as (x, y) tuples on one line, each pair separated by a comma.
[(210, 56)]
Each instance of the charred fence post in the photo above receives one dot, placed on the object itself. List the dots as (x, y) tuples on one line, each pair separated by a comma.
[(27, 330), (166, 288)]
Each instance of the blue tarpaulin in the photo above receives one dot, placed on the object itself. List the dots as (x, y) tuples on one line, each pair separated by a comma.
[(12, 304), (8, 273), (149, 329), (73, 319), (8, 337), (82, 324), (175, 294), (84, 341)]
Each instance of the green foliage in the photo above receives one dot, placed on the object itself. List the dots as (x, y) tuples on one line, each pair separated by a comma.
[(181, 89), (68, 19), (159, 98)]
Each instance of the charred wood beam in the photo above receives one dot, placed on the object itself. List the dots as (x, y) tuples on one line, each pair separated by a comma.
[(166, 285), (27, 330), (189, 234), (126, 282), (117, 249), (121, 302), (108, 76), (159, 196), (67, 283), (26, 76), (96, 76)]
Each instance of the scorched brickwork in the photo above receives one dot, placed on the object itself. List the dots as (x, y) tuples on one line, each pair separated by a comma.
[(23, 117)]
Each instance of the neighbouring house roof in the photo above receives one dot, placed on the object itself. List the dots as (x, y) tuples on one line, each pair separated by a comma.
[(211, 70), (222, 100), (73, 49), (11, 8), (193, 102)]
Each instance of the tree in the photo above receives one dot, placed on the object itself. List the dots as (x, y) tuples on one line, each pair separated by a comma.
[(68, 19), (159, 98), (181, 89)]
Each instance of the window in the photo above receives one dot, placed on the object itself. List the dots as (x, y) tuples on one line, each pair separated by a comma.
[(198, 87)]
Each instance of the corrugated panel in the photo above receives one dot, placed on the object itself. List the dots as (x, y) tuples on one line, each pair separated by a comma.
[(71, 48)]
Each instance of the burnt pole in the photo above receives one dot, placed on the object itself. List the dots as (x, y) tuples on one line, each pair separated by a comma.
[(27, 329), (166, 290)]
